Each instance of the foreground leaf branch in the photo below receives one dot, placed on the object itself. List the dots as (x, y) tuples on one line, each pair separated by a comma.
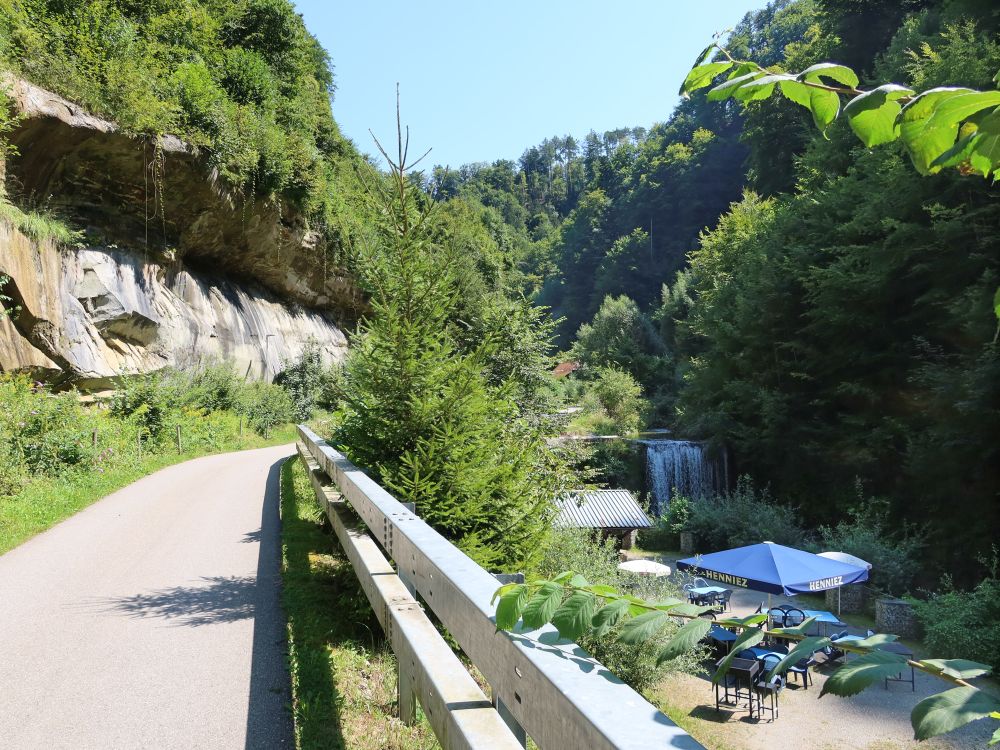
[(575, 607), (949, 126)]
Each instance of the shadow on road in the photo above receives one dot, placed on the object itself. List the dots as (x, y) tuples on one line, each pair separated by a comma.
[(221, 599), (269, 722)]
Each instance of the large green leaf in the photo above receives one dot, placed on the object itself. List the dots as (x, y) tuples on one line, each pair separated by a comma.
[(728, 88), (702, 76), (859, 673), (926, 140), (978, 148), (608, 592), (824, 105), (961, 669), (608, 616), (996, 303), (573, 616), (749, 621), (542, 605), (872, 115), (510, 606), (874, 641), (803, 650), (747, 639), (640, 629), (684, 640), (996, 714), (833, 71), (799, 629), (503, 590), (689, 610), (955, 109), (950, 710)]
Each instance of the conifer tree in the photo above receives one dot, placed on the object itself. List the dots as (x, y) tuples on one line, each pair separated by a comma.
[(420, 415)]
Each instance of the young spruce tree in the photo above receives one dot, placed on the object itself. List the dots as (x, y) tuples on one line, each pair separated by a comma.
[(420, 415)]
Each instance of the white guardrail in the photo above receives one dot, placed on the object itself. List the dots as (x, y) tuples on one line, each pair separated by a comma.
[(544, 686)]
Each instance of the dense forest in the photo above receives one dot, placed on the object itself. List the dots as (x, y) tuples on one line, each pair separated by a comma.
[(817, 306)]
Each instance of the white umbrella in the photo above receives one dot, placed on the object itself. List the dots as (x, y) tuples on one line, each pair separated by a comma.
[(850, 560), (843, 557), (645, 568)]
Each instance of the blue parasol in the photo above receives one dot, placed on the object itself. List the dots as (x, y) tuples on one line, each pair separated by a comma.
[(774, 569)]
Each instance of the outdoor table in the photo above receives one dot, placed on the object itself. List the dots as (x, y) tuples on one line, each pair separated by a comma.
[(720, 635), (705, 592), (847, 639), (743, 671), (760, 653), (825, 619), (899, 648)]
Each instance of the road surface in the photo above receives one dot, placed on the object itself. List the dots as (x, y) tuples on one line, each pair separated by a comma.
[(152, 619)]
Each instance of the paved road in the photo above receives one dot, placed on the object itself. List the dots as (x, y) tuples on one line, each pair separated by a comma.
[(152, 619)]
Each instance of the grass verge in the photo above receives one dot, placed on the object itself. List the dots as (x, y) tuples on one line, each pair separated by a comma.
[(343, 674), (45, 501)]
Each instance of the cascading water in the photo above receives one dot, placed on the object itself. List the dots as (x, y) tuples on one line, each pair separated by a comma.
[(682, 466)]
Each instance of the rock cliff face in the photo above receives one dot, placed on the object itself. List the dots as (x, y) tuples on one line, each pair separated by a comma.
[(194, 271)]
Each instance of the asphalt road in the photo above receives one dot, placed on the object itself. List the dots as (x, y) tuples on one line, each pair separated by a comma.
[(152, 619)]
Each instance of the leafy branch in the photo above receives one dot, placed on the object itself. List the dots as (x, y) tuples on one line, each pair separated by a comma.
[(576, 607), (948, 126)]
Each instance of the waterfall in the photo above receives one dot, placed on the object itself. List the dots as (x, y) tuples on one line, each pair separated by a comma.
[(683, 466)]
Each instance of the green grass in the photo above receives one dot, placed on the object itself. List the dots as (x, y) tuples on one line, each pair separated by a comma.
[(343, 674), (45, 502), (37, 225)]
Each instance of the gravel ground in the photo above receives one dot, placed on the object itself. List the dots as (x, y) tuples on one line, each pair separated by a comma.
[(876, 719)]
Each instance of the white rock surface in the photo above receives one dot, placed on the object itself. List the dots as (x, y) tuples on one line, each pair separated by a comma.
[(95, 313)]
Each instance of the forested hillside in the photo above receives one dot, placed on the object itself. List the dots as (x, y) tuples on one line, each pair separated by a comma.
[(819, 307)]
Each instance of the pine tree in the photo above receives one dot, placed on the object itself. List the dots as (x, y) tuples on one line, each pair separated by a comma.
[(420, 415)]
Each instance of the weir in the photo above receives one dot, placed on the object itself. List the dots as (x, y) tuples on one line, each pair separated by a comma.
[(682, 466)]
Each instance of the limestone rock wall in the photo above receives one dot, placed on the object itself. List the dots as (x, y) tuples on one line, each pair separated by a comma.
[(88, 314)]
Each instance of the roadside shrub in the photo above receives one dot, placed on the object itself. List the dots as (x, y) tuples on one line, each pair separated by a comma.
[(894, 556), (144, 400), (743, 516), (597, 561), (964, 624), (304, 380), (580, 551), (214, 387), (43, 433), (666, 531), (266, 405)]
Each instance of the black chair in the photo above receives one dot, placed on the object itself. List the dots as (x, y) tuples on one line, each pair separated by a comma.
[(770, 687), (722, 600), (801, 670), (794, 617), (777, 616)]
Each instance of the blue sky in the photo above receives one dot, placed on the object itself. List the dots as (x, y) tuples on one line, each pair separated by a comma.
[(481, 81)]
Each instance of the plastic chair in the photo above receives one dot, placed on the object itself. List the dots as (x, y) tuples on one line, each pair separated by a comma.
[(801, 670), (722, 600), (794, 617), (777, 616)]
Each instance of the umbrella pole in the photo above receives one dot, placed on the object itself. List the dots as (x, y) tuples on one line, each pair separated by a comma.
[(838, 599)]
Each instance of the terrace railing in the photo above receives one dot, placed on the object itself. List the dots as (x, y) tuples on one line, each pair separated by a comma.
[(542, 686)]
